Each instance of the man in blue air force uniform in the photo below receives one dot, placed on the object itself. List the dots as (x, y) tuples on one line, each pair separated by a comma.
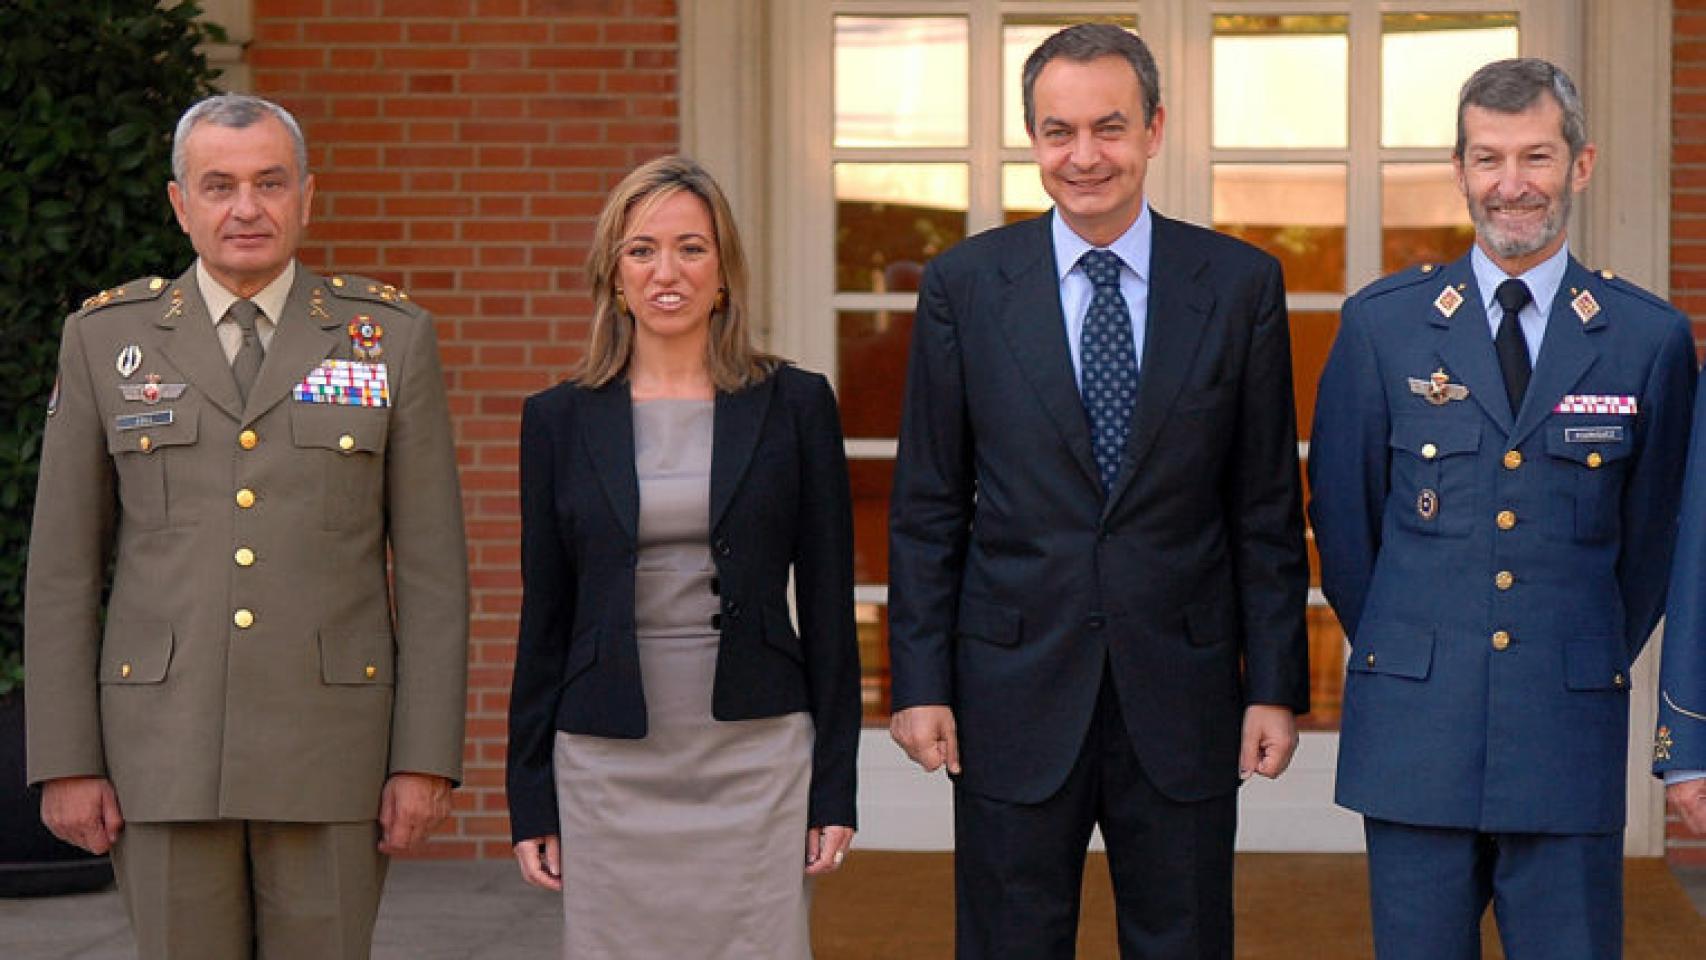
[(1496, 465)]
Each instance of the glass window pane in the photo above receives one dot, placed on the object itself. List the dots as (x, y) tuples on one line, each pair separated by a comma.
[(1423, 217), (1281, 81), (901, 81), (1327, 652), (871, 620), (1295, 211), (892, 217), (1022, 194), (870, 360), (1312, 333), (1019, 36), (871, 481), (1424, 59)]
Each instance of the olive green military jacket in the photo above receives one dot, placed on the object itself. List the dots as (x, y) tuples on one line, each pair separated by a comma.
[(258, 658)]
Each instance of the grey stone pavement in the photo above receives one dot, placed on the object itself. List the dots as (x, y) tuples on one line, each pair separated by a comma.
[(431, 911)]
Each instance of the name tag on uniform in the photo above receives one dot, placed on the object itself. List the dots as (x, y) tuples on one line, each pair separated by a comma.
[(349, 383), (137, 421), (1596, 403), (1593, 434)]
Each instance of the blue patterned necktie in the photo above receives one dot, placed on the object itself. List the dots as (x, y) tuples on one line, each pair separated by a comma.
[(1109, 364)]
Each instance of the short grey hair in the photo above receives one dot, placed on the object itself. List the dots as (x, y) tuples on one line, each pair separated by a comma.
[(236, 111), (1084, 42), (1512, 86)]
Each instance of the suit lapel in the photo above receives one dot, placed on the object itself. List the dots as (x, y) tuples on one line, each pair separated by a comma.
[(301, 340), (1178, 317), (189, 341), (1035, 332), (1566, 354), (1466, 349), (608, 432), (738, 420)]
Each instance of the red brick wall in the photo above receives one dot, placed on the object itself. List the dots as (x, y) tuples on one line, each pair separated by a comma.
[(1688, 242), (462, 150)]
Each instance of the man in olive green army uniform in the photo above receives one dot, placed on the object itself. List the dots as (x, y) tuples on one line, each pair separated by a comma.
[(268, 708)]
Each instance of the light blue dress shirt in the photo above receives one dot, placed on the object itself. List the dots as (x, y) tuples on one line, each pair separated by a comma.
[(1543, 281), (1076, 290)]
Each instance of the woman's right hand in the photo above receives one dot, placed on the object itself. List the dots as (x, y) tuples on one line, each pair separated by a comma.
[(541, 861)]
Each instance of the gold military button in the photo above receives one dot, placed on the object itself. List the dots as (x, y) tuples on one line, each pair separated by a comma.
[(243, 618), (1371, 659), (1427, 268), (248, 439), (1607, 274), (1429, 451), (346, 443), (1594, 460), (155, 284), (145, 443), (1501, 640), (124, 670), (244, 557), (245, 498), (1506, 519), (337, 281), (371, 671), (1503, 579), (1618, 681), (1513, 459)]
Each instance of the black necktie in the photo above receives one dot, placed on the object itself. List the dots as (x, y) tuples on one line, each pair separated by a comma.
[(247, 363), (1510, 344), (1108, 358)]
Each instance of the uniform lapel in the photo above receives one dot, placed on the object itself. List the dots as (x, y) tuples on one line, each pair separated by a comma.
[(1035, 332), (189, 341), (738, 420), (1466, 347), (608, 432), (301, 340), (1566, 354), (1178, 316)]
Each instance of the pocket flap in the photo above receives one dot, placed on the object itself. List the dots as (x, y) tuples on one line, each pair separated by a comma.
[(1592, 444), (988, 621), (356, 657), (1595, 663), (162, 426), (1430, 437), (336, 427), (779, 633), (1395, 649), (136, 651)]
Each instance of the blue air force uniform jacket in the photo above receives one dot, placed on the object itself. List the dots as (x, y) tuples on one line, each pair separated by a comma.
[(1679, 743), (1496, 575)]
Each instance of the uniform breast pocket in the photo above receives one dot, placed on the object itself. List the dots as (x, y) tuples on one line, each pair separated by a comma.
[(149, 448), (349, 445), (1433, 475), (1587, 488)]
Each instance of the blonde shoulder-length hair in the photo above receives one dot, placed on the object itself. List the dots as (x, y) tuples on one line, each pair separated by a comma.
[(734, 363)]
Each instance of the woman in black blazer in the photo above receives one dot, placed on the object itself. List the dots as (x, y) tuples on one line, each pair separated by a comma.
[(681, 759)]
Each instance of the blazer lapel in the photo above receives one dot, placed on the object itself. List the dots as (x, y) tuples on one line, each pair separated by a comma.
[(1035, 331), (1179, 314), (1466, 349), (189, 341), (305, 335), (737, 422), (1566, 354), (607, 429)]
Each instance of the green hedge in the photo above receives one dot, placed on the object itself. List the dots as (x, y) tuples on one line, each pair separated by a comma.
[(89, 93)]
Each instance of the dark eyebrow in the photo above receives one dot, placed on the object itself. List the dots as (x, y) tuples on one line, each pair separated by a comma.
[(1118, 116)]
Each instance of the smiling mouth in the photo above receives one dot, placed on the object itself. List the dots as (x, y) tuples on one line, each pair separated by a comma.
[(669, 301)]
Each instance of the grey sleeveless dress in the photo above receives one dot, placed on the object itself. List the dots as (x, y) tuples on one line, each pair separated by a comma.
[(691, 841)]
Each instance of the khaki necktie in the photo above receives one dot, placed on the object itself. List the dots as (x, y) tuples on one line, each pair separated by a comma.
[(247, 364)]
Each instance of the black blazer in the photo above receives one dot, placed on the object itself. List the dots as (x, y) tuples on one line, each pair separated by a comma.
[(1014, 581), (779, 500)]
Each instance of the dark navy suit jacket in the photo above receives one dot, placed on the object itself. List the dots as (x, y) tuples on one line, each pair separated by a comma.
[(1496, 575), (779, 503), (1015, 582)]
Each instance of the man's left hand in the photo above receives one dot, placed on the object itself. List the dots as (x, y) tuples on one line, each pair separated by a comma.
[(1270, 738), (410, 806), (1689, 799)]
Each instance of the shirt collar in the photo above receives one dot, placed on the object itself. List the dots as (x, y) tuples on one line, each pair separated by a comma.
[(1543, 279), (1132, 247), (270, 299)]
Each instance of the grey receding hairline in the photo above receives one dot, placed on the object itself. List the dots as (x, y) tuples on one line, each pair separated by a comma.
[(235, 110), (1513, 86)]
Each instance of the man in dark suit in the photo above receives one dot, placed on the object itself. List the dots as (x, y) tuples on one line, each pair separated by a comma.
[(1098, 569), (1496, 462)]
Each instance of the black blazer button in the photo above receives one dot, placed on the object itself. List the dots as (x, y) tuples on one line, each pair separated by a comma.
[(732, 608), (716, 621), (1095, 621), (722, 547)]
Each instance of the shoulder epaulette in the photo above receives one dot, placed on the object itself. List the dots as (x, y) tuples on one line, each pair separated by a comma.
[(144, 289), (1616, 283), (352, 287), (1401, 280)]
